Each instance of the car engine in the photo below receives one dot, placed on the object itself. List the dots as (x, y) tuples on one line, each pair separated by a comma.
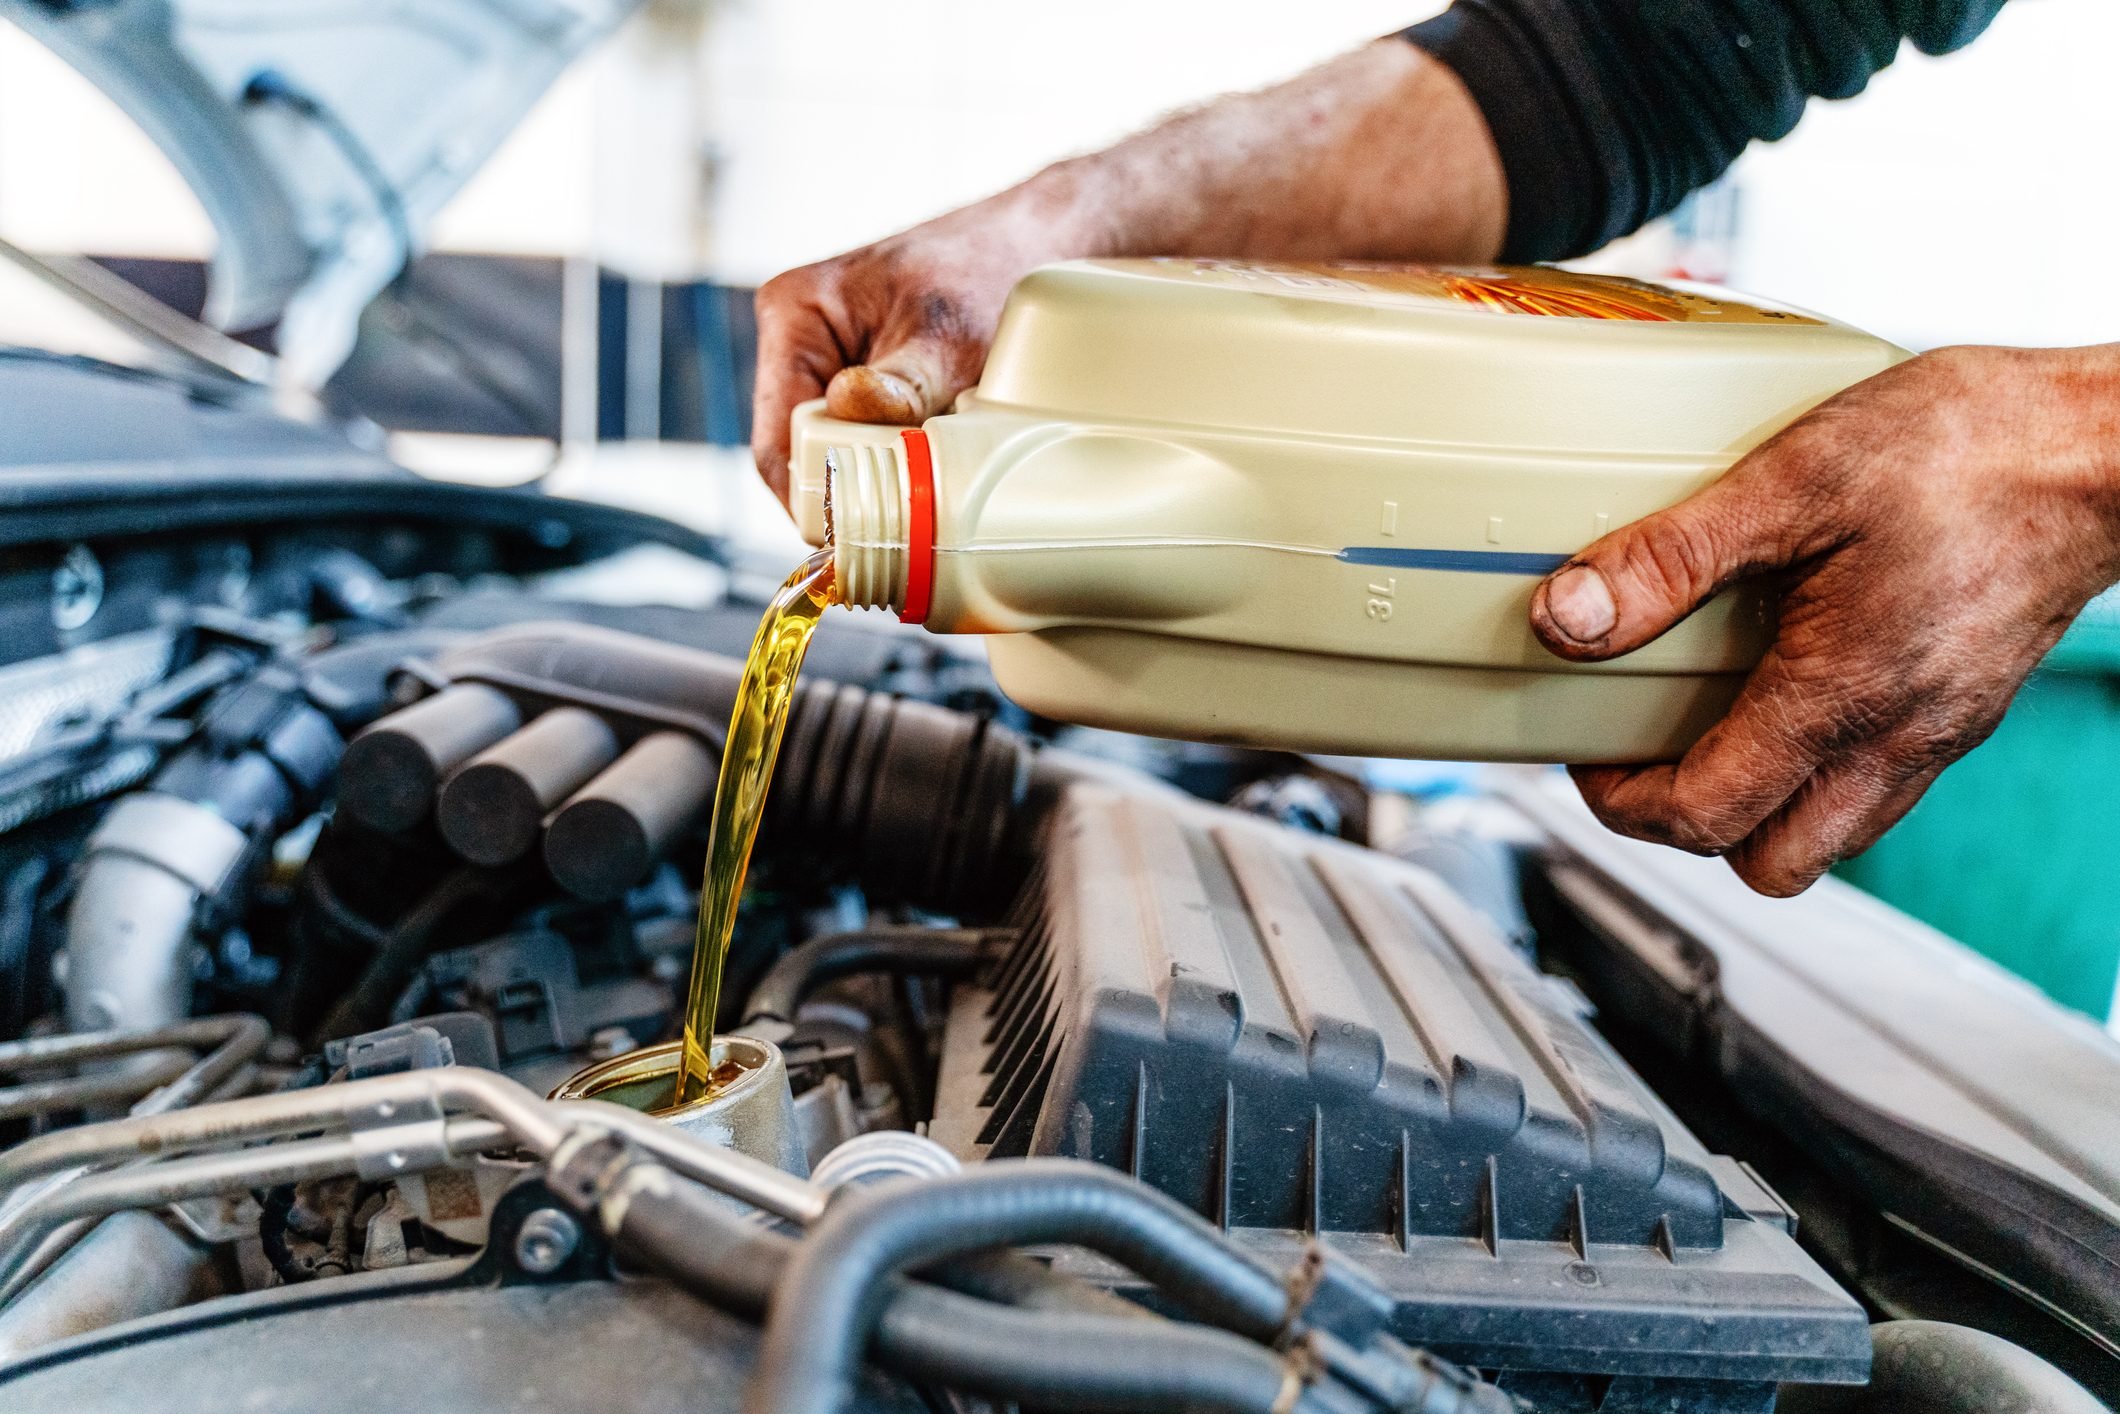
[(339, 829)]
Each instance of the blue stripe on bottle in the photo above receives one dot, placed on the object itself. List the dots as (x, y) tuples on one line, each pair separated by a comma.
[(1469, 561)]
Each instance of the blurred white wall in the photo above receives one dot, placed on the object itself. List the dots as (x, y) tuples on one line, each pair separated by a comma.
[(1962, 198), (839, 121)]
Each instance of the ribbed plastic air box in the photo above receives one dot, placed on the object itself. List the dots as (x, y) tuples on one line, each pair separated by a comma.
[(1297, 1037)]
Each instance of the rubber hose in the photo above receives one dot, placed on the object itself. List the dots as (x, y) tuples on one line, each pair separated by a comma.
[(697, 1242), (404, 946), (1060, 1351), (1930, 1367), (933, 952), (275, 1207), (1012, 1279), (676, 1229), (1071, 1360), (352, 679), (829, 1300)]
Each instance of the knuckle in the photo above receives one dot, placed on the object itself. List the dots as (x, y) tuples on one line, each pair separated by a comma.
[(1676, 559), (1603, 790), (943, 317), (804, 288), (1775, 877), (1813, 474), (782, 293), (1857, 714), (1946, 733), (1682, 820), (1827, 702), (1707, 827), (1631, 825)]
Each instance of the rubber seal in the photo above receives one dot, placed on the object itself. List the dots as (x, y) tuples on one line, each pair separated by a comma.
[(920, 529)]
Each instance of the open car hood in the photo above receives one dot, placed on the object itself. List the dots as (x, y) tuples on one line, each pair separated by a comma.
[(321, 136)]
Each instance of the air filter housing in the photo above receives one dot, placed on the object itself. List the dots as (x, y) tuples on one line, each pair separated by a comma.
[(1297, 1037)]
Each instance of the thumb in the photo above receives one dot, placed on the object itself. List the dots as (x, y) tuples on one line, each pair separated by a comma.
[(906, 384), (1635, 583)]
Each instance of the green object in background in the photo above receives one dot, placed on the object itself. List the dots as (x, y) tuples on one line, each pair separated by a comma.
[(2015, 851)]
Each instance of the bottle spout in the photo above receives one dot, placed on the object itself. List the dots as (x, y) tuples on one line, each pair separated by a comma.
[(868, 523)]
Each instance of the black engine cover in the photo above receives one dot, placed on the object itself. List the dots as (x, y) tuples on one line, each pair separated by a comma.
[(1296, 1036)]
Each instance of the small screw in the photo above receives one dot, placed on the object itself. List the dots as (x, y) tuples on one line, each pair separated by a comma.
[(545, 1241), (77, 589)]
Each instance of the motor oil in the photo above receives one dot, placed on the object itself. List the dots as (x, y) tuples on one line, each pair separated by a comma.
[(757, 722), (1305, 506)]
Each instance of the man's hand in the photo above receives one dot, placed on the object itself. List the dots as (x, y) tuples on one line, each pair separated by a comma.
[(893, 331), (1380, 154), (1933, 531)]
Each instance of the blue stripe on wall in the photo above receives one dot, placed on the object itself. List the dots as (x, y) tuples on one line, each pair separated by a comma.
[(1469, 561)]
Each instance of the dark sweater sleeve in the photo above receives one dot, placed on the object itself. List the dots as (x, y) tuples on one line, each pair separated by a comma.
[(1607, 112)]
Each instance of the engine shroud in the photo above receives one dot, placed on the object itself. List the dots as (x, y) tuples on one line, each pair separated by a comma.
[(1294, 1036)]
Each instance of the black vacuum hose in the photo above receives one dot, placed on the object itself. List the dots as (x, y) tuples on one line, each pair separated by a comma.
[(1062, 1345), (832, 1294), (1069, 1360), (1930, 1367), (926, 952)]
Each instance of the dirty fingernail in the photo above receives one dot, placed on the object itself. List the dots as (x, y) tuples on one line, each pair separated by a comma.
[(1580, 604), (866, 394)]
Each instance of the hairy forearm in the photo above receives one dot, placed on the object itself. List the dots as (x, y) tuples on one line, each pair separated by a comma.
[(1381, 153), (1378, 154)]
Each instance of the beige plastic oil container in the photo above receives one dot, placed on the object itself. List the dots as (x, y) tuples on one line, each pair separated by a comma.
[(1305, 506)]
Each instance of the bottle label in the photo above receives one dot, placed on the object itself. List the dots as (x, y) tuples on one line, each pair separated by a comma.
[(1499, 289)]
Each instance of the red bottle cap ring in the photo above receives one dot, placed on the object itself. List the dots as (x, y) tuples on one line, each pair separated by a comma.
[(920, 532)]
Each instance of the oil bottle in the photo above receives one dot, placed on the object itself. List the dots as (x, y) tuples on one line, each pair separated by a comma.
[(1305, 506)]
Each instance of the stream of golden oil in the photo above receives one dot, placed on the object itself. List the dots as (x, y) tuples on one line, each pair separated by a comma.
[(763, 699)]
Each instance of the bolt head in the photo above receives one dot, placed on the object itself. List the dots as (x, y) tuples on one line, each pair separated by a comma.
[(547, 1238)]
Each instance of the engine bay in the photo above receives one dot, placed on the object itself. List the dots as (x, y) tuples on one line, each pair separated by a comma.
[(338, 832)]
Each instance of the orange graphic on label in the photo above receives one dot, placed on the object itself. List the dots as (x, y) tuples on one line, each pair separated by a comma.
[(1504, 289)]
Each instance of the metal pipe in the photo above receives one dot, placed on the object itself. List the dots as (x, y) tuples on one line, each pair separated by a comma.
[(487, 1110), (606, 838), (243, 1038), (235, 1041), (740, 1176), (201, 1175), (220, 1074), (529, 1120), (46, 1253), (392, 771), (491, 810), (150, 1136), (231, 1043), (77, 1092), (128, 932), (79, 1046), (537, 1124)]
